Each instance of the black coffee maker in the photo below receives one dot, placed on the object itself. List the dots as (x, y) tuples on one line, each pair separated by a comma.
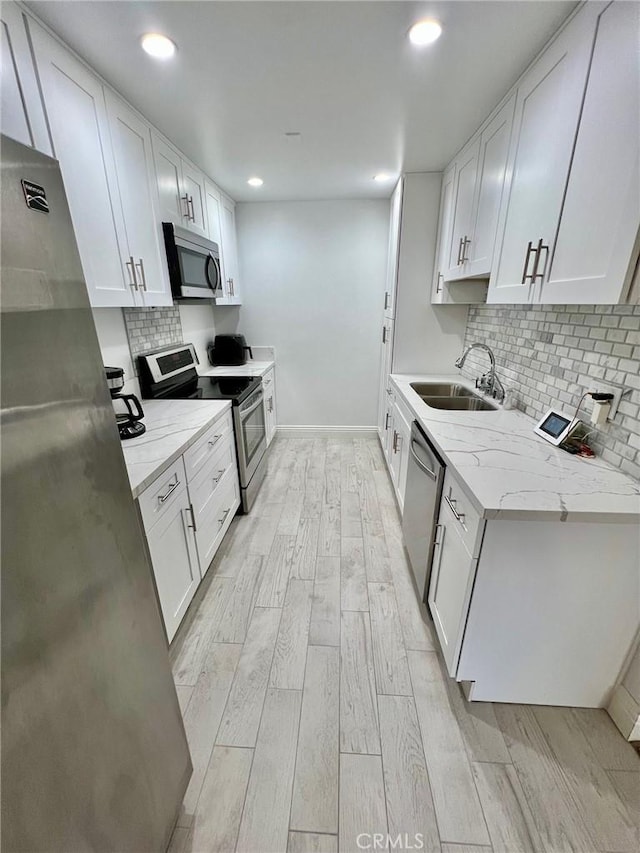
[(130, 422)]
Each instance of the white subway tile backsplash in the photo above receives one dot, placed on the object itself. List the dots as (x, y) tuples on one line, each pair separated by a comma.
[(553, 354)]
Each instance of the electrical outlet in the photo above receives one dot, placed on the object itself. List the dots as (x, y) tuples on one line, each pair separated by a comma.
[(597, 385)]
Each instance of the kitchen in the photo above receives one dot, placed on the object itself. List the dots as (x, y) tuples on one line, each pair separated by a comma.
[(361, 570)]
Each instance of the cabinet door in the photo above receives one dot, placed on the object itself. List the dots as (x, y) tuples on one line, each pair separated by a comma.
[(270, 419), (168, 165), (175, 562), (492, 163), (544, 130), (593, 257), (230, 254), (403, 430), (193, 193), (445, 225), (74, 100), (463, 198), (213, 200), (394, 250), (21, 111), (386, 353), (452, 574), (131, 140)]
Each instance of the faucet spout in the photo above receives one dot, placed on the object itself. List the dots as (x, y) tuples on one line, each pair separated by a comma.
[(489, 382)]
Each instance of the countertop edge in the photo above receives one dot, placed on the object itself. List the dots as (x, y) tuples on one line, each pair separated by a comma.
[(489, 513), (166, 463)]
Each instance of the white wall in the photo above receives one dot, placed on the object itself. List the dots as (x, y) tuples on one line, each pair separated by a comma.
[(198, 328), (312, 276)]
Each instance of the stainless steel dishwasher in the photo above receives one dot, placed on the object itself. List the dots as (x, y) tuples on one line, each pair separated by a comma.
[(421, 503)]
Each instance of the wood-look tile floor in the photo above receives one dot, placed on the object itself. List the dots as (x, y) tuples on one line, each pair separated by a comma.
[(319, 713)]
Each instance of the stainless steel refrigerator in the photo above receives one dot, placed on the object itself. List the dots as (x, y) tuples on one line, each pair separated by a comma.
[(94, 754)]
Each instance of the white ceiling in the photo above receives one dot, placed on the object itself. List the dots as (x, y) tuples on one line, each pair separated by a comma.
[(343, 74)]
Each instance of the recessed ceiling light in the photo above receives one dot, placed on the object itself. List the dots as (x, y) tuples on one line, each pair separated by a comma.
[(157, 45), (255, 182), (425, 32), (381, 177)]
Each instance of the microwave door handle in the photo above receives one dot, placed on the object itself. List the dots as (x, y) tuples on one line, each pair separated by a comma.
[(213, 285)]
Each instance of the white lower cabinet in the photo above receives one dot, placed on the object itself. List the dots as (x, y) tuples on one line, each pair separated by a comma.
[(269, 391), (186, 513), (452, 574), (175, 561), (397, 448)]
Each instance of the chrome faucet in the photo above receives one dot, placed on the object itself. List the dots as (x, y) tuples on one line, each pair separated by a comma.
[(488, 382)]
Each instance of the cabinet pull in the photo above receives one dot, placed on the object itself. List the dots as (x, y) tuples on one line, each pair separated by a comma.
[(131, 268), (465, 242), (222, 520), (386, 300), (215, 440), (143, 278), (233, 287), (220, 476), (185, 199), (190, 205), (389, 392), (170, 491), (460, 250), (540, 247), (384, 334), (438, 287), (451, 502), (270, 404), (192, 526), (395, 441), (525, 276), (386, 420), (436, 541)]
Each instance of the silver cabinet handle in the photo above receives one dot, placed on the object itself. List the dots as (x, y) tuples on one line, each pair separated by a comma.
[(386, 300), (131, 267), (395, 441), (233, 287), (438, 287), (220, 476), (170, 491), (222, 520), (192, 526), (185, 199), (386, 420), (143, 278), (525, 276), (384, 334), (190, 204), (451, 502), (540, 248), (460, 250), (465, 242), (270, 404), (214, 441), (435, 536)]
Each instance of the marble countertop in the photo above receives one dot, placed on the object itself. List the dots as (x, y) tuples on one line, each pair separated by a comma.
[(510, 472), (251, 368), (172, 425)]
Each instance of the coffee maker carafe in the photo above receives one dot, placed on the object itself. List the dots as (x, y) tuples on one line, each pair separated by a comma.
[(130, 422)]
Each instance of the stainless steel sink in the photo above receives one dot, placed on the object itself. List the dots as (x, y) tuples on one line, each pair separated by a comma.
[(441, 389), (472, 403)]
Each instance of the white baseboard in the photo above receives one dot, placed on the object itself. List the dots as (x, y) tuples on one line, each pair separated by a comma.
[(326, 431), (625, 713)]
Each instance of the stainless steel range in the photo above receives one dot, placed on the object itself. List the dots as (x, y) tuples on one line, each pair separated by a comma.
[(170, 374)]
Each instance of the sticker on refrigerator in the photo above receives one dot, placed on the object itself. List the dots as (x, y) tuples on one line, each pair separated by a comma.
[(35, 196)]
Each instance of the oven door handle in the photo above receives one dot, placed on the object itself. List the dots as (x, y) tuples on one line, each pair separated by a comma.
[(248, 411)]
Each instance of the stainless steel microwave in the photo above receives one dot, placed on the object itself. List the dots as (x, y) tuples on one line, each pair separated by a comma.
[(194, 264)]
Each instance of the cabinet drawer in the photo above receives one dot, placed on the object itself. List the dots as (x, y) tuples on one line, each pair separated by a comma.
[(215, 523), (204, 487), (160, 496), (468, 519), (208, 444)]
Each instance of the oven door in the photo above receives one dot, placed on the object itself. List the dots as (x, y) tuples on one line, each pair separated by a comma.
[(251, 437)]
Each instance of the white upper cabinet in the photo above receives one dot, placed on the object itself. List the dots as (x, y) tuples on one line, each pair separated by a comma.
[(547, 111), (75, 105), (213, 201), (21, 112), (193, 196), (131, 140), (463, 198), (168, 165), (180, 189), (445, 225), (230, 255), (594, 251), (394, 249), (490, 175)]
